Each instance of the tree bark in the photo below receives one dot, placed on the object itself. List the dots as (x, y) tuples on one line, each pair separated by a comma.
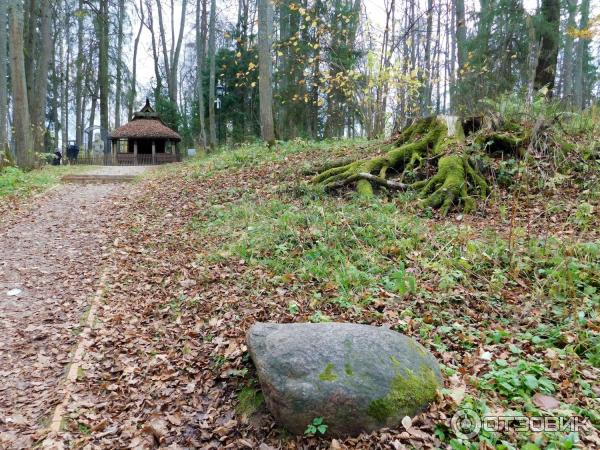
[(211, 82), (38, 103), (133, 89), (155, 58), (582, 57), (265, 20), (3, 79), (21, 120), (200, 55), (30, 17), (119, 62), (548, 35), (461, 34), (79, 78), (103, 71), (567, 68)]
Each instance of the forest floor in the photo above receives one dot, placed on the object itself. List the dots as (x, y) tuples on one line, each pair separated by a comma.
[(506, 299)]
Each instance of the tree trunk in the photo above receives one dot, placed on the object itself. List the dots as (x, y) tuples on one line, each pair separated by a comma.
[(38, 111), (582, 57), (155, 58), (461, 33), (29, 35), (103, 70), (3, 78), (200, 55), (21, 120), (426, 100), (119, 80), (177, 53), (163, 43), (265, 20), (79, 78), (92, 119), (211, 82), (133, 89), (548, 35), (567, 69)]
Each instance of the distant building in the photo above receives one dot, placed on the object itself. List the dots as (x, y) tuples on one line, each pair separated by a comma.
[(146, 139)]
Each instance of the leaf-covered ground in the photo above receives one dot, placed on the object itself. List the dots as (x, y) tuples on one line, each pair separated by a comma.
[(51, 253), (507, 300)]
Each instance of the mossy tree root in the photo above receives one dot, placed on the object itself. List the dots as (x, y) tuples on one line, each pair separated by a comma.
[(450, 185), (425, 141), (412, 145)]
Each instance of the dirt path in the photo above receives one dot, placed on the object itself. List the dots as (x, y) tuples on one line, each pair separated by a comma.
[(50, 261)]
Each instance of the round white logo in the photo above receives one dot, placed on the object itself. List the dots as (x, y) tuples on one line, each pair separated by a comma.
[(466, 423)]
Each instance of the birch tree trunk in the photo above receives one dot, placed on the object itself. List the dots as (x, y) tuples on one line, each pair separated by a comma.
[(21, 121), (211, 81), (265, 20), (3, 79)]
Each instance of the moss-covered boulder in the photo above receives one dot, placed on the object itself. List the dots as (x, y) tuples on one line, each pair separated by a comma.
[(356, 377)]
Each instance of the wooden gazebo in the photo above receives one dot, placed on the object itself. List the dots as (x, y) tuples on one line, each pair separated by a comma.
[(145, 140)]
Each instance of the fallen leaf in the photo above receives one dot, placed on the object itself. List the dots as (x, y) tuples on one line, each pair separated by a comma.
[(545, 401)]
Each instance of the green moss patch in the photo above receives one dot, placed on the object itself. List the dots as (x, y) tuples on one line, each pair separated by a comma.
[(328, 374), (249, 401), (348, 369), (406, 393)]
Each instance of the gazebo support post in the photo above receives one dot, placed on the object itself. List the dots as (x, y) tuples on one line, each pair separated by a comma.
[(135, 153), (153, 152)]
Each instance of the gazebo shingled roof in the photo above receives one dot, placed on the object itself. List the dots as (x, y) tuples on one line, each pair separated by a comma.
[(145, 124)]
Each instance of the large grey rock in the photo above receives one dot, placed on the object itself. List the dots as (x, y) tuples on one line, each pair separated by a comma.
[(357, 377)]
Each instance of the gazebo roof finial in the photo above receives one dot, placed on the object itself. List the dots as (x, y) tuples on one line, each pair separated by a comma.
[(147, 108)]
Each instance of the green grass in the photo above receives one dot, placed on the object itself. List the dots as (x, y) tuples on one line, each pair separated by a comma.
[(346, 256), (18, 183)]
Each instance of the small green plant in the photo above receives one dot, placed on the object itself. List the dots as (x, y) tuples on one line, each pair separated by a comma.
[(316, 427), (402, 282), (293, 308), (518, 381), (319, 317), (583, 216)]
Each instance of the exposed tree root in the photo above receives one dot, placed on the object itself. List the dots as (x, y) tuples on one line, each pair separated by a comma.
[(429, 140)]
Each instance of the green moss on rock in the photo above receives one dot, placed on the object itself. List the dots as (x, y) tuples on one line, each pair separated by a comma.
[(328, 374), (348, 369), (249, 401), (406, 395)]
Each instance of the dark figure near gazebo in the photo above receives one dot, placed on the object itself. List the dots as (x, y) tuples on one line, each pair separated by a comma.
[(148, 140)]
